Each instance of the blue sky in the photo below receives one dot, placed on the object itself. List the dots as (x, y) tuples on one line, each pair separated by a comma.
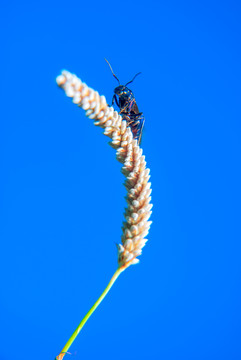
[(62, 198)]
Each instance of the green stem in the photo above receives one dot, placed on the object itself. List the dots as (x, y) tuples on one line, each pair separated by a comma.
[(89, 313)]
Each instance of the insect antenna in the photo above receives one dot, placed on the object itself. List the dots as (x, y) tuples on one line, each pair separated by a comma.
[(133, 78), (112, 71)]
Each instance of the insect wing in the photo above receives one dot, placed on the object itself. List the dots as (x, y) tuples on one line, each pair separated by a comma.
[(140, 125), (136, 123)]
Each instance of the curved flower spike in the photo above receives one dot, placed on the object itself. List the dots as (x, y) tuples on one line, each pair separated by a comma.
[(128, 152), (136, 225)]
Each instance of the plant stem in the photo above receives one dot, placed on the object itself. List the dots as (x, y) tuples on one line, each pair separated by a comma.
[(89, 313)]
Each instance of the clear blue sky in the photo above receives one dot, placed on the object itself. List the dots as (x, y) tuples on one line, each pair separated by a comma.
[(62, 198)]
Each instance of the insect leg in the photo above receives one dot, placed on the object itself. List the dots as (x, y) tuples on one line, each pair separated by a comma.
[(116, 100)]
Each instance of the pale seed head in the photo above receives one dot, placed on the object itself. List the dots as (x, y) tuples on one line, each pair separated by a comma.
[(128, 152)]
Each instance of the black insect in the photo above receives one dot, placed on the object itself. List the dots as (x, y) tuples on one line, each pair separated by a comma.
[(125, 100)]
